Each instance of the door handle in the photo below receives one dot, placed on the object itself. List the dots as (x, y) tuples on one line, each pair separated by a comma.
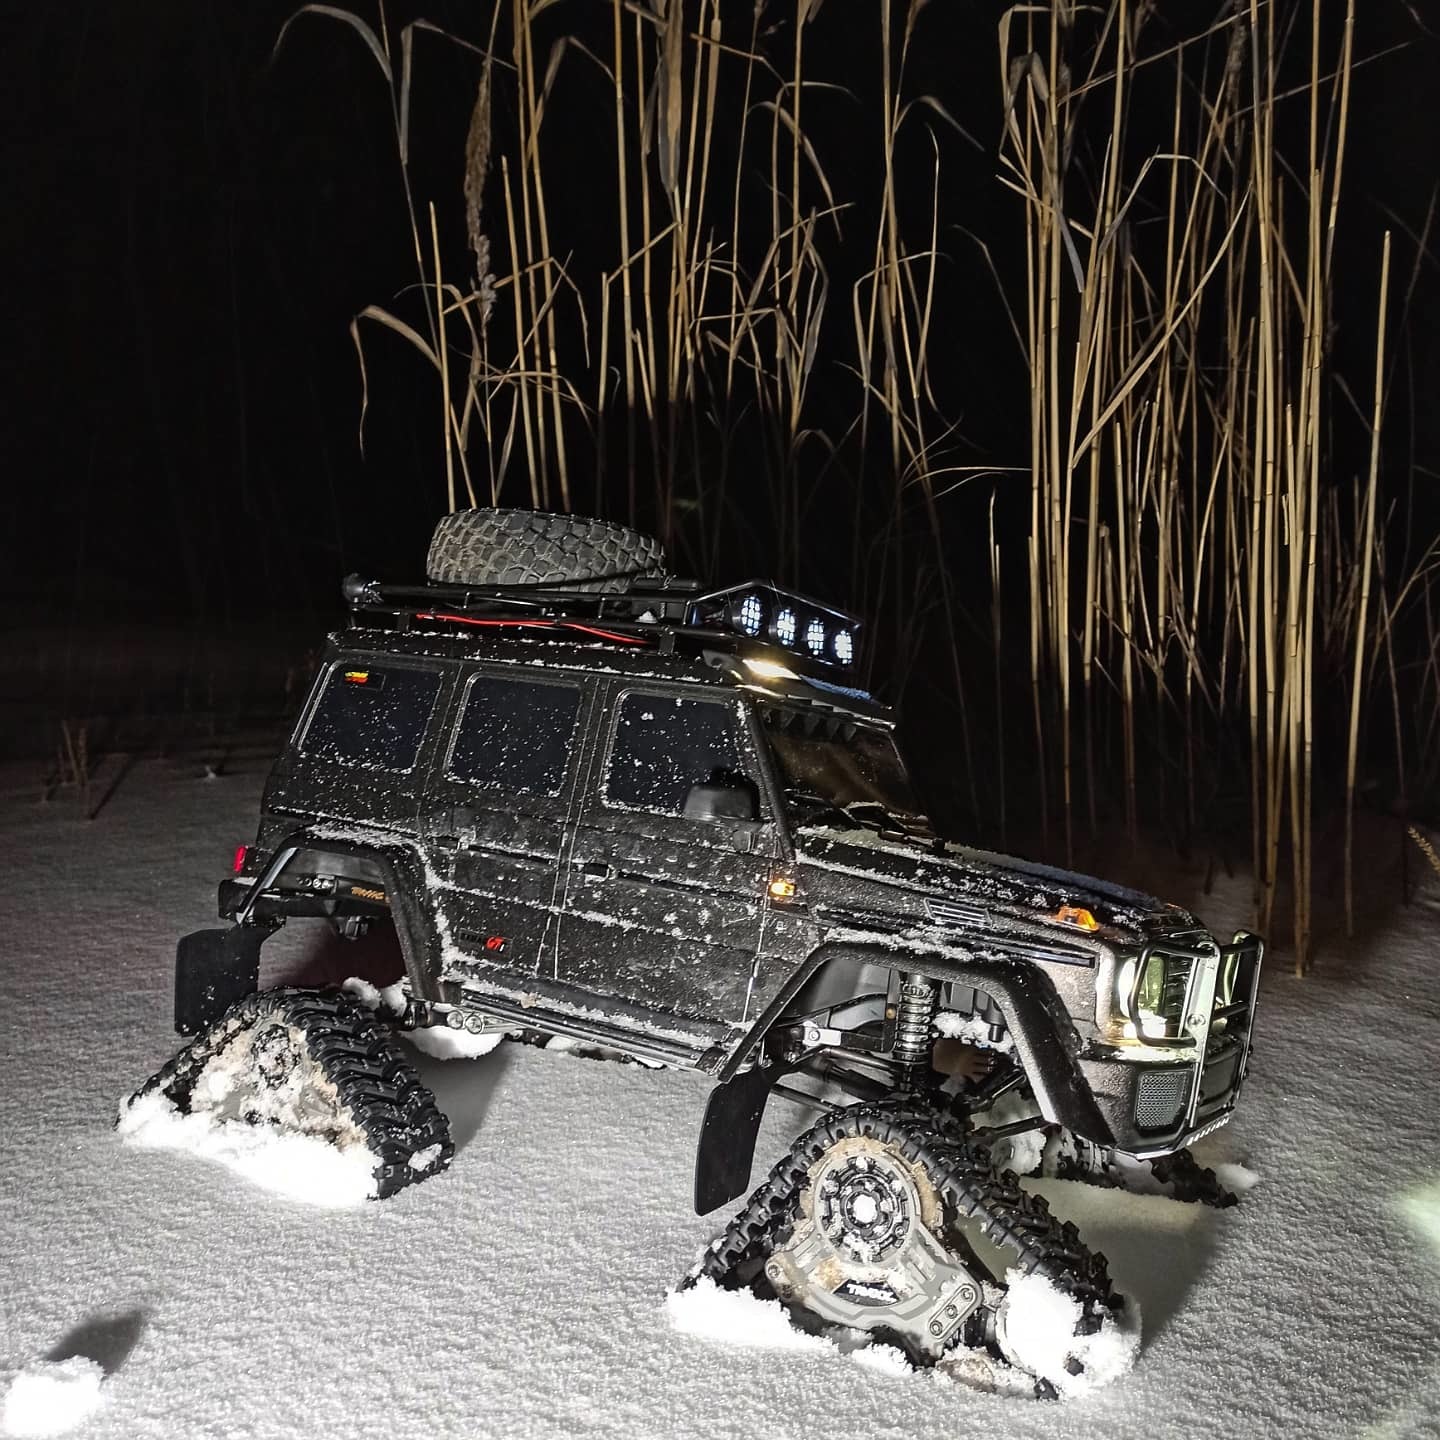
[(597, 870)]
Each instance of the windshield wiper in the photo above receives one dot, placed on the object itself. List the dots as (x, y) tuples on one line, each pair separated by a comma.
[(879, 817), (819, 810)]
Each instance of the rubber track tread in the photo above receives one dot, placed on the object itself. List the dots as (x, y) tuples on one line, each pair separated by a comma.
[(968, 1186), (387, 1100), (531, 547)]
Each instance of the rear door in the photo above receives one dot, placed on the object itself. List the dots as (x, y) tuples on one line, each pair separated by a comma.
[(496, 817), (660, 910)]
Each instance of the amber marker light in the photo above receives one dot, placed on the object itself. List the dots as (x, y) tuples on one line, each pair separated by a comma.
[(782, 888), (1078, 916), (357, 677)]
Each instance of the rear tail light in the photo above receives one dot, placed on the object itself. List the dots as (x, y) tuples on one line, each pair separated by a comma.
[(242, 854)]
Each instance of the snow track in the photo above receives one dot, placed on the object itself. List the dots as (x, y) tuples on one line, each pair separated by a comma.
[(522, 1293)]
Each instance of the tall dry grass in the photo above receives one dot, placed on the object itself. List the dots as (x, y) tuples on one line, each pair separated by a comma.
[(1195, 568)]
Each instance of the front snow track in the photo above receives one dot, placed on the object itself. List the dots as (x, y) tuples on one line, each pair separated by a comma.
[(315, 1062), (890, 1220)]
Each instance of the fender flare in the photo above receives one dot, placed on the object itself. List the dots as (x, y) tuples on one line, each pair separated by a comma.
[(404, 872), (1046, 1044)]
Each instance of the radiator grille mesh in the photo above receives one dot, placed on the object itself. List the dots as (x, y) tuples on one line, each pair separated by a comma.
[(1159, 1098)]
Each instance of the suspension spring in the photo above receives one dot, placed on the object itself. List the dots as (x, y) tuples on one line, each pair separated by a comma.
[(919, 999)]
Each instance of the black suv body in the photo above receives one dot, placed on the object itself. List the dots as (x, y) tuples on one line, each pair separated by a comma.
[(663, 835)]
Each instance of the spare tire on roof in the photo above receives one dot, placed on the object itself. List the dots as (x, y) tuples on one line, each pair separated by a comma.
[(532, 547)]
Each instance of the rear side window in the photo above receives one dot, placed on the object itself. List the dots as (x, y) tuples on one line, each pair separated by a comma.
[(373, 716), (515, 735), (664, 744)]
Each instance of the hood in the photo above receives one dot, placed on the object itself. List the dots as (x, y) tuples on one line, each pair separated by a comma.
[(857, 871)]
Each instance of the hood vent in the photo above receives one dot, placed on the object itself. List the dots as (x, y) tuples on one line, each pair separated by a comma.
[(953, 913)]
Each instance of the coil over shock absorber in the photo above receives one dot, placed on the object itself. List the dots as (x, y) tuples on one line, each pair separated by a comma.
[(919, 999)]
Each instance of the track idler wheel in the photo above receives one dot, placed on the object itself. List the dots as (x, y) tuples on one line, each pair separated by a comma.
[(318, 1063)]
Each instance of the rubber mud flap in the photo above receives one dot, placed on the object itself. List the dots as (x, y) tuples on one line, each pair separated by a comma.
[(214, 969), (727, 1138)]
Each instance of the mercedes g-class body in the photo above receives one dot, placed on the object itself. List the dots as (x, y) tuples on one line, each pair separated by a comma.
[(599, 803)]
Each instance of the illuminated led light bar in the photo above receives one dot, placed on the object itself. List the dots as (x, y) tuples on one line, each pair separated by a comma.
[(761, 611), (751, 615)]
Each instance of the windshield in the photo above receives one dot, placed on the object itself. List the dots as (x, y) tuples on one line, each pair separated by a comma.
[(839, 773)]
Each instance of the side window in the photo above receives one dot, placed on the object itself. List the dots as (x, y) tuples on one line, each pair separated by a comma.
[(373, 716), (515, 735), (664, 744)]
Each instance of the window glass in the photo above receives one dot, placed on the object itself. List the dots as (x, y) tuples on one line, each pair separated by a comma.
[(835, 771), (515, 735), (372, 716), (664, 744)]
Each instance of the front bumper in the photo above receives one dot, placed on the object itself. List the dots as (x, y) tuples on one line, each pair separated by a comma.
[(1160, 1098)]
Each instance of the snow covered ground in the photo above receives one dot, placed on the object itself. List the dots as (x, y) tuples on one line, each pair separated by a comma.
[(523, 1293)]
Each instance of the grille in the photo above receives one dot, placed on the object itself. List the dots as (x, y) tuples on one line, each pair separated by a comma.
[(952, 912), (1160, 1096)]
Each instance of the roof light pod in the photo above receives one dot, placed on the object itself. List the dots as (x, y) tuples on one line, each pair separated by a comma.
[(787, 627), (815, 636), (843, 644), (750, 615)]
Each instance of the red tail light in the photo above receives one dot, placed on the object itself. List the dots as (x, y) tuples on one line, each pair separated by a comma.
[(242, 854)]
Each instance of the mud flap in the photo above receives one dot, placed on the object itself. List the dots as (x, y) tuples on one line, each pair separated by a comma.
[(214, 969), (727, 1138)]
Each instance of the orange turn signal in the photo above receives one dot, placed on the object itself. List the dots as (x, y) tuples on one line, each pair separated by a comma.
[(1078, 916), (782, 887)]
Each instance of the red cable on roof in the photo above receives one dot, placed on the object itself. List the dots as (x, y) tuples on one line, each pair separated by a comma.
[(530, 624)]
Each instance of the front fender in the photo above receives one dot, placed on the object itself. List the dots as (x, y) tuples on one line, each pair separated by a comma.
[(1045, 1038)]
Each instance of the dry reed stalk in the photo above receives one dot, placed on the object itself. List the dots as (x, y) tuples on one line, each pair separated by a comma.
[(1423, 844), (1367, 544)]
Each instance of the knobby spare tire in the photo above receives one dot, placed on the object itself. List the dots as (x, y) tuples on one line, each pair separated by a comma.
[(530, 547)]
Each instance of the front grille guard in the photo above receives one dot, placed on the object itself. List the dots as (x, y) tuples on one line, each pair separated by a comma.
[(1200, 1010)]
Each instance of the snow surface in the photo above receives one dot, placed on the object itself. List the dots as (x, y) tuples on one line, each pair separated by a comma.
[(1039, 1324), (523, 1292), (299, 1167), (50, 1397)]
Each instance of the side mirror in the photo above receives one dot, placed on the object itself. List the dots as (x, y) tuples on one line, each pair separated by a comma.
[(711, 800)]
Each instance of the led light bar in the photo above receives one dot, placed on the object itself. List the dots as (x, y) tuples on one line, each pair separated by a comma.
[(760, 611), (751, 615)]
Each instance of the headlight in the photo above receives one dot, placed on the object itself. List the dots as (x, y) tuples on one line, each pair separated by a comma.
[(1150, 991), (1151, 995)]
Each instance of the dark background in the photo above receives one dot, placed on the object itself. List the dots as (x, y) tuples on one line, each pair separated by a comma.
[(191, 224)]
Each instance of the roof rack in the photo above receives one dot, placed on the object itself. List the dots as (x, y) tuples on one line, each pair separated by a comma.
[(751, 616)]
